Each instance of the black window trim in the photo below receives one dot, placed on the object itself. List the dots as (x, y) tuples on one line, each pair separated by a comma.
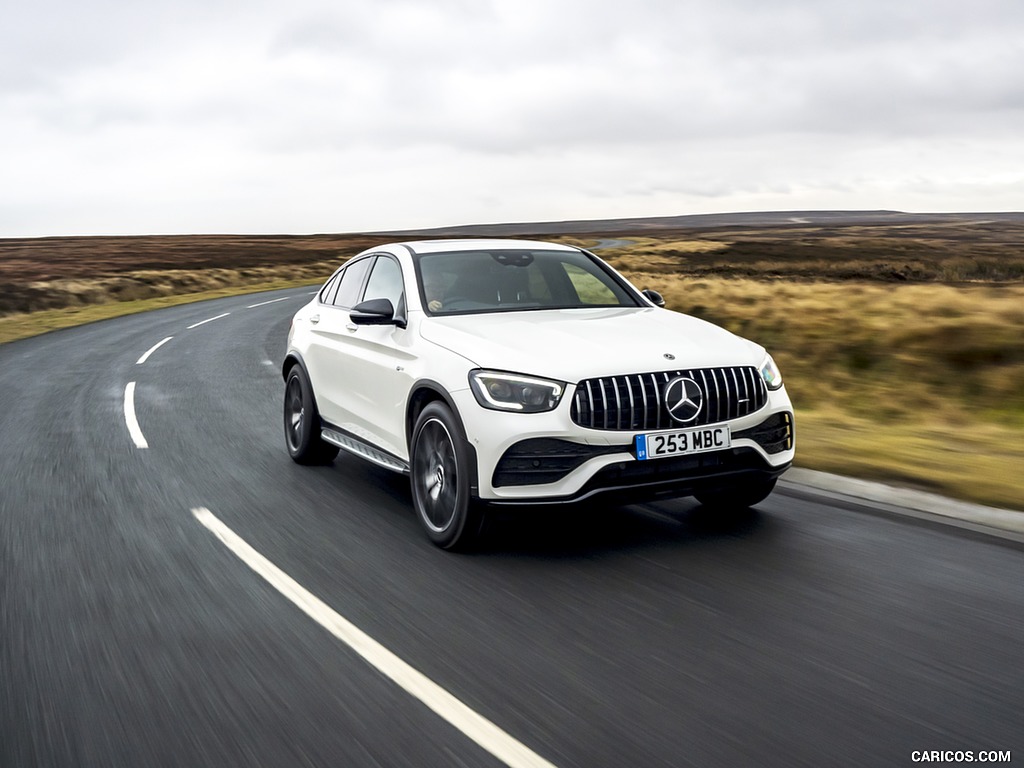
[(341, 269), (328, 284)]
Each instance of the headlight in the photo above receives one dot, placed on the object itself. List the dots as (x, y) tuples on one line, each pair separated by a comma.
[(511, 392), (770, 374)]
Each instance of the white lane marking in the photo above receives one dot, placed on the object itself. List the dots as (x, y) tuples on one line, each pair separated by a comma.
[(272, 301), (129, 417), (152, 349), (313, 293), (415, 683), (207, 320)]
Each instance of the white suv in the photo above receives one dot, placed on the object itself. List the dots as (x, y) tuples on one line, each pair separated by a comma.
[(503, 372)]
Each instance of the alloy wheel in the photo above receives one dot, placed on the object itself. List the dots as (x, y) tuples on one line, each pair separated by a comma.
[(436, 475)]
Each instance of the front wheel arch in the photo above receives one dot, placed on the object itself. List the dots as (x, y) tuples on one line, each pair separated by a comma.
[(440, 466), (424, 393)]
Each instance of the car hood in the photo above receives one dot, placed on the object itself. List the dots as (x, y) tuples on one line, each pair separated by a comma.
[(575, 344)]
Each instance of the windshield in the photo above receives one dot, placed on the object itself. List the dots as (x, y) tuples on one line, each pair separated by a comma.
[(507, 280)]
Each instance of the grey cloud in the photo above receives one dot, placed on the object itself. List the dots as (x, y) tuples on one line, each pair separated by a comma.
[(654, 100)]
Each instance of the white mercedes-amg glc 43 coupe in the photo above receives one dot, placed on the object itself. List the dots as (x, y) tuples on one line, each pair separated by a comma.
[(507, 372)]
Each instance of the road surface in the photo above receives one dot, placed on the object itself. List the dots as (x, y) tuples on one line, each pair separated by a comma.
[(141, 455)]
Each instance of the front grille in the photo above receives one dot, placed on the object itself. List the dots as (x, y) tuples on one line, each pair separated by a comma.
[(636, 402)]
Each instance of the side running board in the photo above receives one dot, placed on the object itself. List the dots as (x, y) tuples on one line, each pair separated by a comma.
[(365, 451)]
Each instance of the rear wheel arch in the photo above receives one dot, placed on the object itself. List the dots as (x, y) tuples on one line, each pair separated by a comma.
[(290, 361), (302, 421)]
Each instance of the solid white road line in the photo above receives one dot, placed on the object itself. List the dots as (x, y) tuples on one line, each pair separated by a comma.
[(475, 726), (129, 417), (207, 320), (272, 301), (152, 349)]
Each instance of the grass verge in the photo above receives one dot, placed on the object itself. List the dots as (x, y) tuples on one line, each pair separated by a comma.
[(917, 385), (25, 325)]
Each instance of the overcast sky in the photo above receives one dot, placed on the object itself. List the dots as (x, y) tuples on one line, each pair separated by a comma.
[(299, 116)]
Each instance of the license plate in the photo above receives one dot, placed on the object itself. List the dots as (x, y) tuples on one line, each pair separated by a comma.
[(696, 440)]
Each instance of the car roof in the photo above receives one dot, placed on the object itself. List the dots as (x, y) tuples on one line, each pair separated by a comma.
[(466, 244)]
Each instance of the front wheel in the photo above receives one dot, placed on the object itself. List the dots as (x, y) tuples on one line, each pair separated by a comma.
[(744, 495), (440, 476)]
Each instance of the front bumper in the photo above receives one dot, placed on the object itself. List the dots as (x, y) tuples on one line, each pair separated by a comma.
[(546, 458)]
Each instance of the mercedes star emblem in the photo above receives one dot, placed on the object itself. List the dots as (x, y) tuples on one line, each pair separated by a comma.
[(684, 399)]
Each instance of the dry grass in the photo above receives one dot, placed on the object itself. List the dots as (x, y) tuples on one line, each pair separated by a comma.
[(921, 384), (135, 285), (948, 253), (24, 325), (977, 461), (876, 349)]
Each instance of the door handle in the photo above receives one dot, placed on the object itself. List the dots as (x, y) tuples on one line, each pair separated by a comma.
[(351, 327), (314, 319)]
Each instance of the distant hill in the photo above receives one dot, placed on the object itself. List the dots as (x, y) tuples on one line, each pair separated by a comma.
[(704, 221)]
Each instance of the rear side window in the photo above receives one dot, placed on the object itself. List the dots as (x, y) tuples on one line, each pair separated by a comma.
[(351, 283), (330, 288)]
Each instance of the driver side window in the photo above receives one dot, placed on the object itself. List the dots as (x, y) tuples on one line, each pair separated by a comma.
[(385, 282)]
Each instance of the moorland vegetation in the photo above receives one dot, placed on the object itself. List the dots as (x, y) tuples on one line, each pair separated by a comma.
[(902, 344)]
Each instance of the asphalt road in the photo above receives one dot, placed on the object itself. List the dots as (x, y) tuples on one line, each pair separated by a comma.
[(131, 635)]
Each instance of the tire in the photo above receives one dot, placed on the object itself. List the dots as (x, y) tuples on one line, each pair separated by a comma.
[(736, 499), (440, 478), (302, 422)]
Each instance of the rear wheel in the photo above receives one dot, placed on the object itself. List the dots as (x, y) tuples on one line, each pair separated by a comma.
[(440, 476), (744, 495), (302, 422)]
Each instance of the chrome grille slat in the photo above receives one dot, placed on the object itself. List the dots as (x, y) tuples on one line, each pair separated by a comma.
[(632, 415), (718, 395), (605, 401), (635, 401), (593, 413), (643, 394), (619, 404), (734, 395), (704, 381), (657, 402)]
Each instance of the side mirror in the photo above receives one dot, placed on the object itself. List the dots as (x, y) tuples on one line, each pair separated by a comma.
[(373, 312), (654, 297)]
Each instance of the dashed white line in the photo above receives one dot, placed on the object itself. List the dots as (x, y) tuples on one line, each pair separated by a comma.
[(263, 303), (129, 417), (152, 349), (207, 320), (475, 726)]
